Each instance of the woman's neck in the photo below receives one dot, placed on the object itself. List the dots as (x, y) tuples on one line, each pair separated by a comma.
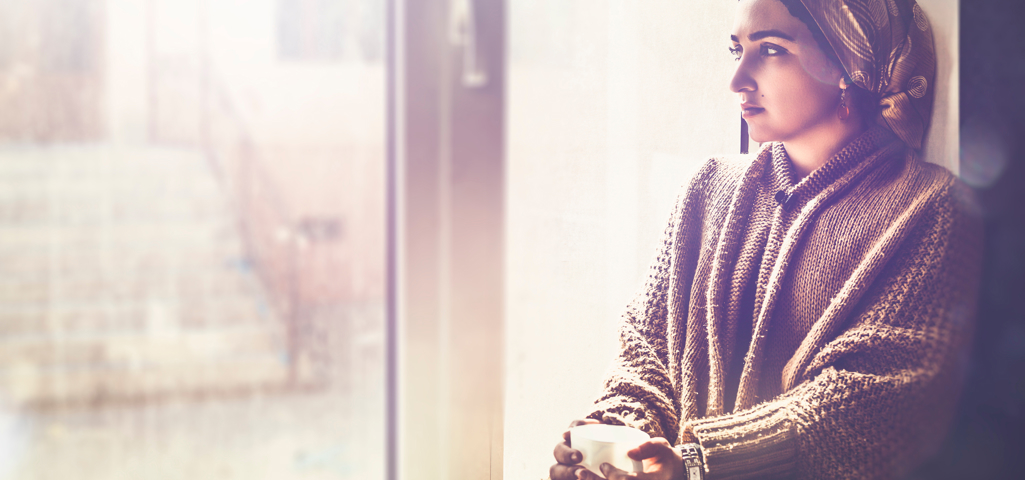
[(812, 151)]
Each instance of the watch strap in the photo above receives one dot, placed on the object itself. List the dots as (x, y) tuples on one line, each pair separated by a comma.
[(692, 461)]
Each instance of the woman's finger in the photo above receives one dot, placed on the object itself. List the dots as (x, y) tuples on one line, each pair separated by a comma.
[(655, 447), (566, 455), (564, 472), (613, 473), (586, 474), (584, 421)]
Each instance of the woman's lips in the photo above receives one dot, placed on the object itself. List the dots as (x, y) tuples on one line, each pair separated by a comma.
[(750, 110)]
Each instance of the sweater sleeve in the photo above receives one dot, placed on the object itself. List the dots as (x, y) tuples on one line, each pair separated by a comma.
[(638, 390), (876, 399)]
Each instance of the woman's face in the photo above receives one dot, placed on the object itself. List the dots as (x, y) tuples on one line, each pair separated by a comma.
[(788, 88)]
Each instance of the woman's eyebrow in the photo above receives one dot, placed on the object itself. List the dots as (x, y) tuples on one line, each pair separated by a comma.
[(763, 34)]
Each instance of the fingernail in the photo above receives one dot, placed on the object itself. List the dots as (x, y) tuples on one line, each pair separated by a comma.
[(578, 472), (575, 457), (605, 466)]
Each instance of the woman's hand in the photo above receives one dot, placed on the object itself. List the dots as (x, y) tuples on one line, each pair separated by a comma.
[(661, 462), (566, 457)]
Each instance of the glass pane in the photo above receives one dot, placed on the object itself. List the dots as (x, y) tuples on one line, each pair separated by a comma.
[(611, 106), (191, 239)]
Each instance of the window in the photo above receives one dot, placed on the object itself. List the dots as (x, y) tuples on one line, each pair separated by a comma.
[(192, 234)]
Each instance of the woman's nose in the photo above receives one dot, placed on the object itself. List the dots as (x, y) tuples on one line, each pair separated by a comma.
[(742, 80)]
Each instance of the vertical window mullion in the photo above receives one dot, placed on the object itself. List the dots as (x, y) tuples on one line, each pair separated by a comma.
[(446, 148)]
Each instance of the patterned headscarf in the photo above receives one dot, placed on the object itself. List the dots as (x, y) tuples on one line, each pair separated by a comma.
[(886, 47)]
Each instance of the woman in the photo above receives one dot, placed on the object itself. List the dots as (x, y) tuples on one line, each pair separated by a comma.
[(811, 309)]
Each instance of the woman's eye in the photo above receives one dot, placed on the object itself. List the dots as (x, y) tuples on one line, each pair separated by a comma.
[(736, 51), (770, 50)]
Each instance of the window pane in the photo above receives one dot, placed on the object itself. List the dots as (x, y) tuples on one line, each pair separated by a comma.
[(191, 239), (611, 107)]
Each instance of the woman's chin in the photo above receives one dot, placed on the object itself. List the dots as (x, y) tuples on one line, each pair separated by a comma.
[(760, 137)]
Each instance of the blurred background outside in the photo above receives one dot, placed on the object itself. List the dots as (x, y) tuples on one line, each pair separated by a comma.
[(191, 239)]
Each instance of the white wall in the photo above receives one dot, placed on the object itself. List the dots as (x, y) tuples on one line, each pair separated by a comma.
[(611, 105), (942, 145)]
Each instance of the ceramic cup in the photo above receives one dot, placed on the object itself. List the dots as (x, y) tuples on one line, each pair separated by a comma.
[(600, 444)]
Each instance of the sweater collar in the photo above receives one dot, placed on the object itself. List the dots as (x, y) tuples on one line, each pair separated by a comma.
[(784, 177)]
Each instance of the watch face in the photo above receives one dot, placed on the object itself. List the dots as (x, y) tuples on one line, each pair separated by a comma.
[(692, 461)]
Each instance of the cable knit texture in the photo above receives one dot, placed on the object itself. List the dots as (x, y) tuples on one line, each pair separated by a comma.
[(821, 332)]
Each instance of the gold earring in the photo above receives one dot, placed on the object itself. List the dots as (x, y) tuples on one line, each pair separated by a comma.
[(842, 112)]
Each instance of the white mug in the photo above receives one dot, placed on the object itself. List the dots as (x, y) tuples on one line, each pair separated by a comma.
[(599, 443)]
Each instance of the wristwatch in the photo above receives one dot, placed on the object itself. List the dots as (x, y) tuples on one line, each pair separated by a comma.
[(692, 462)]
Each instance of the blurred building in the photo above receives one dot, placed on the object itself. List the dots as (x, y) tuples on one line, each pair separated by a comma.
[(192, 195)]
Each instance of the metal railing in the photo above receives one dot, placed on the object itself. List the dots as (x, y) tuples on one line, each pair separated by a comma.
[(267, 225)]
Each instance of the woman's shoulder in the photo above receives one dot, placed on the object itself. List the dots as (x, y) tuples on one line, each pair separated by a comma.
[(951, 194), (720, 172), (905, 187), (935, 184), (716, 180)]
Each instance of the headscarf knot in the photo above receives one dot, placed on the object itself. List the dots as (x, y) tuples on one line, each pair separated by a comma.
[(886, 47)]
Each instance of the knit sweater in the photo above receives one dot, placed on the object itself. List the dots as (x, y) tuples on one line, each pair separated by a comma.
[(811, 329)]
